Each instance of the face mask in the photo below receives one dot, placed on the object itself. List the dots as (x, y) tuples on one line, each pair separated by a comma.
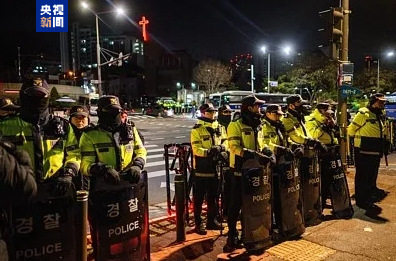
[(299, 109), (110, 118)]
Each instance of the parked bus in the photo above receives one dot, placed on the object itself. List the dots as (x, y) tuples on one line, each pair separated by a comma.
[(390, 106), (234, 99)]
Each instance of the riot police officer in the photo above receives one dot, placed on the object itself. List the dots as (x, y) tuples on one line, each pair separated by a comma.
[(17, 186), (245, 142), (207, 141), (109, 150), (224, 119), (43, 136), (308, 168), (286, 203), (322, 126), (368, 131)]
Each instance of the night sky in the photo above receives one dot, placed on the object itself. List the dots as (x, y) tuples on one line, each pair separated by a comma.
[(214, 28)]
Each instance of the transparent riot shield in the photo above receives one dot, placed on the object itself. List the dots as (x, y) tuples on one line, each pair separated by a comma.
[(119, 220), (310, 185), (256, 205), (44, 230), (336, 183), (287, 203)]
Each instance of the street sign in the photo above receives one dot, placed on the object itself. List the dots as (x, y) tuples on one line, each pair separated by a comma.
[(347, 90), (273, 83)]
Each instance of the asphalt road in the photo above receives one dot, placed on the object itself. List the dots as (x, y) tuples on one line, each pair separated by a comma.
[(157, 132)]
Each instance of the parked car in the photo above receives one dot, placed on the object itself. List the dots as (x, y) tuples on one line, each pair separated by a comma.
[(159, 111)]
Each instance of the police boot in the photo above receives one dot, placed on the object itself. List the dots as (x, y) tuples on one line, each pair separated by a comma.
[(214, 225), (200, 229), (232, 243)]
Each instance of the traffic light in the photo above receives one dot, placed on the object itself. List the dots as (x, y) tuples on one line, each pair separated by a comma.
[(333, 29), (368, 61)]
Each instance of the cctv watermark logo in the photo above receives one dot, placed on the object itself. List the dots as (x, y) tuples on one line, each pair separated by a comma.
[(51, 15)]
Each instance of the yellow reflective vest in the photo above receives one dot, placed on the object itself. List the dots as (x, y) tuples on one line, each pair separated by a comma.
[(242, 136), (314, 126), (368, 132), (272, 138), (55, 153), (203, 136), (295, 130), (99, 146)]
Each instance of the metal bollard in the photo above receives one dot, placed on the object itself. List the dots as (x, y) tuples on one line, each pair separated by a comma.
[(180, 195), (81, 225)]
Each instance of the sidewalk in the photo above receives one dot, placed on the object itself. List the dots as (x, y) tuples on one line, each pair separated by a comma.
[(360, 238)]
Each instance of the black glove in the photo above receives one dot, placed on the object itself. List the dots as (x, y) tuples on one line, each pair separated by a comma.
[(264, 159), (311, 142), (320, 146), (224, 156), (248, 154), (298, 152), (64, 182), (112, 176), (214, 150), (97, 169), (135, 174), (286, 152)]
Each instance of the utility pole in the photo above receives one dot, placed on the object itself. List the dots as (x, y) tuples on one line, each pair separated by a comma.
[(252, 76), (342, 100)]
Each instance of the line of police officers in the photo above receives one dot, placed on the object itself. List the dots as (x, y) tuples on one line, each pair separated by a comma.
[(46, 151), (278, 137)]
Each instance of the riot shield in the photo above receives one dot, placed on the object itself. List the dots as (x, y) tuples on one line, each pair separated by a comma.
[(310, 185), (44, 230), (287, 204), (256, 205), (337, 185), (119, 220)]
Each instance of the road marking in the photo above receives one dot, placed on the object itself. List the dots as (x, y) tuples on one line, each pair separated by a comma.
[(157, 138), (180, 137), (172, 186), (156, 163), (154, 174), (155, 150), (154, 156), (150, 146)]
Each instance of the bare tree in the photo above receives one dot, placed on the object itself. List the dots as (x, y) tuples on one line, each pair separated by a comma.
[(211, 74)]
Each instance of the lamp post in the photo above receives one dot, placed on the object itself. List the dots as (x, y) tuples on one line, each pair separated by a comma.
[(388, 54), (119, 11), (286, 50)]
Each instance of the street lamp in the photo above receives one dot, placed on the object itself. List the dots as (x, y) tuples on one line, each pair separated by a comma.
[(388, 54), (286, 49), (118, 11)]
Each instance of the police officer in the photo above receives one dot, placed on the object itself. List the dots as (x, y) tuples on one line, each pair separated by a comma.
[(224, 119), (368, 131), (274, 135), (16, 187), (245, 142), (43, 136), (294, 123), (79, 122), (109, 150), (321, 125), (206, 142), (7, 108)]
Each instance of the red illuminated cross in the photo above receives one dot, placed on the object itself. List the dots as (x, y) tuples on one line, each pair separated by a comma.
[(143, 23)]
